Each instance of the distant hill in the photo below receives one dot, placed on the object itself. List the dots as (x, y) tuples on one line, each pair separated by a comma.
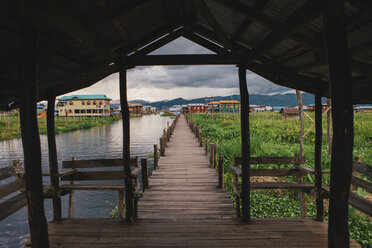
[(283, 100)]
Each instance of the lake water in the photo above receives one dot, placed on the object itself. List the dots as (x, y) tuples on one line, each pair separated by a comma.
[(94, 143)]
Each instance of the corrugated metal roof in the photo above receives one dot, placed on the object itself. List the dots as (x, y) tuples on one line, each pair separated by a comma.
[(83, 97)]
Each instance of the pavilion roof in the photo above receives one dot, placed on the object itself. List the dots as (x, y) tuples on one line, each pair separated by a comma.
[(280, 40)]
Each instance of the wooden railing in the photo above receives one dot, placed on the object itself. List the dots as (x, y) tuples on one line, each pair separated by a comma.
[(298, 171), (164, 139)]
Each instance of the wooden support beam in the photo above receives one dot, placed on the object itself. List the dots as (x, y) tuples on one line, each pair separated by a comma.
[(307, 12), (212, 21), (248, 20), (129, 194), (53, 162), (244, 118), (342, 113), (29, 128), (204, 42), (318, 157), (185, 59)]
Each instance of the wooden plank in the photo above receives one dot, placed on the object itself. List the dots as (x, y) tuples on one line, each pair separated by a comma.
[(93, 186), (6, 172), (361, 183), (246, 153), (363, 168), (53, 162), (12, 205), (270, 172), (184, 59), (274, 160), (97, 163), (11, 187), (342, 113), (29, 126), (94, 175), (280, 185), (361, 203)]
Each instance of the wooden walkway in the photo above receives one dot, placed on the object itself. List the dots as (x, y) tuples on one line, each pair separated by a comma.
[(184, 208)]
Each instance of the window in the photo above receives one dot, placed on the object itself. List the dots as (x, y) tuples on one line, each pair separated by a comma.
[(77, 111), (100, 103), (221, 106), (82, 103), (100, 111), (89, 111), (70, 111), (88, 102), (71, 103), (83, 111), (94, 111), (94, 103), (227, 105)]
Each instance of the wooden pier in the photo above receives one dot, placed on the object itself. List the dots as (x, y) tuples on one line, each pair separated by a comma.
[(183, 207)]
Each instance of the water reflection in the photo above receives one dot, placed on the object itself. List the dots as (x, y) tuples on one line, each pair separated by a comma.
[(94, 143)]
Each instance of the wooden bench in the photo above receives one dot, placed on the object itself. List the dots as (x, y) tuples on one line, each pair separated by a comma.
[(297, 171), (362, 204), (75, 174)]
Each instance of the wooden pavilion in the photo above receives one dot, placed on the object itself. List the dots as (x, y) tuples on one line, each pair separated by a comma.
[(49, 48)]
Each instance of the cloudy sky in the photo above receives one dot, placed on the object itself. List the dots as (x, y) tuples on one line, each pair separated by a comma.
[(168, 82)]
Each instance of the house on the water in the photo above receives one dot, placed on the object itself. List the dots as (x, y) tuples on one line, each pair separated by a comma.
[(135, 108), (84, 105), (229, 106), (196, 108)]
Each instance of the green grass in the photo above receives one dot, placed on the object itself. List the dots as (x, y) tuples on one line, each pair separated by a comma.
[(272, 135), (10, 124)]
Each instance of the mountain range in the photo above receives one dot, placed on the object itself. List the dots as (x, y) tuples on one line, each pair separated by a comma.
[(283, 100)]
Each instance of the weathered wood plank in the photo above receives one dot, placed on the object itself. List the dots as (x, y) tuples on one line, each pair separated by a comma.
[(93, 186), (97, 163), (12, 205), (11, 187), (94, 175), (363, 168)]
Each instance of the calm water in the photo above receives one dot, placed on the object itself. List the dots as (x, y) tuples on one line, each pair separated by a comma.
[(94, 143)]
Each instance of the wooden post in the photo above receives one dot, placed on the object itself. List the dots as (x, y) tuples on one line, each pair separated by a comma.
[(168, 134), (200, 139), (162, 146), (329, 125), (318, 157), (221, 173), (302, 129), (215, 155), (121, 204), (145, 174), (342, 114), (211, 155), (244, 116), (71, 200), (29, 128), (129, 197), (155, 157), (206, 147), (53, 162)]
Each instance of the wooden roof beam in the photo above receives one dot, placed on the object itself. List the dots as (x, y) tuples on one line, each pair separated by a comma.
[(248, 20), (159, 43), (204, 42), (212, 21), (186, 59), (68, 25), (307, 12)]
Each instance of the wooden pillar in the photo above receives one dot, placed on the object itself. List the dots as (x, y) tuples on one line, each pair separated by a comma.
[(53, 162), (318, 157), (342, 114), (244, 118), (155, 157), (29, 127), (302, 129), (329, 125), (129, 197), (145, 174), (221, 172)]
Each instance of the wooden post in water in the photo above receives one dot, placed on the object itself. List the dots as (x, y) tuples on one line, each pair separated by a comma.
[(221, 172), (155, 157), (342, 115), (244, 117), (29, 127), (129, 197), (145, 174), (53, 162), (318, 157)]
